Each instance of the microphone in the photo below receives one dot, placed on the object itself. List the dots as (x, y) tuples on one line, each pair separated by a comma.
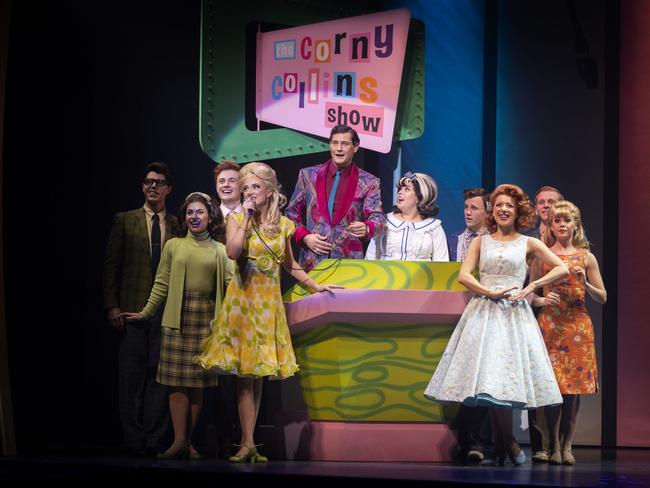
[(250, 213)]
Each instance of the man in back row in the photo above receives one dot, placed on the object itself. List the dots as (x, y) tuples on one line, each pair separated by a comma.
[(469, 420), (545, 197), (226, 182), (477, 206), (132, 256)]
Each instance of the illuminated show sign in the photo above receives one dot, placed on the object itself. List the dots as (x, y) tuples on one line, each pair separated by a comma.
[(347, 71)]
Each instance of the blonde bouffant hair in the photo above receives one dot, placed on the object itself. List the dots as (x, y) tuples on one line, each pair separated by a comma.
[(275, 201), (569, 210)]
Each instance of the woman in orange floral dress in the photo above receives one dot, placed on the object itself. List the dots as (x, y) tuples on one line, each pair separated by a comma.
[(566, 325)]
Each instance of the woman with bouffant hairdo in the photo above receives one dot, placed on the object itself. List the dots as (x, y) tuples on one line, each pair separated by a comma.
[(251, 339), (496, 356), (525, 212), (566, 325), (192, 277), (411, 232)]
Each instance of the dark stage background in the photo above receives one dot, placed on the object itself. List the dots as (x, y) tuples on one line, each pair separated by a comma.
[(95, 90)]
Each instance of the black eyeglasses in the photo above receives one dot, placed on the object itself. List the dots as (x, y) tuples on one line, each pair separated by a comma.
[(154, 181)]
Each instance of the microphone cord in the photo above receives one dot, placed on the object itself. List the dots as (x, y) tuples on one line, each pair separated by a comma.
[(280, 260)]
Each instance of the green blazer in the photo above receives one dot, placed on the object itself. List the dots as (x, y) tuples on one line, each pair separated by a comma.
[(127, 263)]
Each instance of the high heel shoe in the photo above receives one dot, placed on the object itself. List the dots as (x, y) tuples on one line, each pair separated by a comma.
[(259, 459), (242, 457), (182, 453), (519, 459)]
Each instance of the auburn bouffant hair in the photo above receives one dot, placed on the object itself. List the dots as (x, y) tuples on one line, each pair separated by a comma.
[(525, 213)]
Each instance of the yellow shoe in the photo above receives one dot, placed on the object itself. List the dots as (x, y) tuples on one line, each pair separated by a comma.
[(258, 458), (242, 457)]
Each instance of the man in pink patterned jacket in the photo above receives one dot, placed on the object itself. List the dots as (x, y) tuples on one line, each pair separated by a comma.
[(336, 205)]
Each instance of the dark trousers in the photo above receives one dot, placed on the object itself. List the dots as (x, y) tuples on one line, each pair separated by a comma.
[(144, 410), (469, 423), (537, 441), (227, 417)]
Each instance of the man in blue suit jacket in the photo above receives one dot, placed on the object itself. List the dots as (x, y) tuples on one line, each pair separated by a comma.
[(469, 420), (477, 202)]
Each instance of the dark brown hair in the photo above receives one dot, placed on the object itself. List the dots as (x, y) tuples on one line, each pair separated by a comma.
[(426, 191), (160, 168), (478, 192), (216, 227), (345, 129)]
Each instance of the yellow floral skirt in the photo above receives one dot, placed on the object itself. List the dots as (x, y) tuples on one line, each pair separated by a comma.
[(250, 337)]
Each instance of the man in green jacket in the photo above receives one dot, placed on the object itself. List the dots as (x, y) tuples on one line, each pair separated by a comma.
[(132, 256)]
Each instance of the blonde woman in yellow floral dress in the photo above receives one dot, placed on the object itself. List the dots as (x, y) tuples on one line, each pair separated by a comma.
[(566, 325), (250, 338)]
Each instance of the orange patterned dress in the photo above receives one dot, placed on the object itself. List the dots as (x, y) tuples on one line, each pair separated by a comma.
[(569, 333)]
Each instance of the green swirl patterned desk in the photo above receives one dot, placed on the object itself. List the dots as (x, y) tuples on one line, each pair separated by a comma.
[(366, 354)]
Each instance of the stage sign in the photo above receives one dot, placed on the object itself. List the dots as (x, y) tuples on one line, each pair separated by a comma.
[(347, 71)]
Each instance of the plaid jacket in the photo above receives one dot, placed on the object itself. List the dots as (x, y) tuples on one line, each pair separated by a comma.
[(127, 263), (308, 209)]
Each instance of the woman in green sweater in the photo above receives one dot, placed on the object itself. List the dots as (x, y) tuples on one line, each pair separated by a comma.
[(192, 277)]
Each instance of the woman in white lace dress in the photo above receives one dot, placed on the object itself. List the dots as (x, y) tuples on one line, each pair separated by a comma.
[(496, 356), (412, 233)]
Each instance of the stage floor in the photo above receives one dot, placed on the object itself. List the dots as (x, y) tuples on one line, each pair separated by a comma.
[(623, 467)]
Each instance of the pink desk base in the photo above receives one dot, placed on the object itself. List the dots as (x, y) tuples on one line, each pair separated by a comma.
[(371, 441), (345, 441)]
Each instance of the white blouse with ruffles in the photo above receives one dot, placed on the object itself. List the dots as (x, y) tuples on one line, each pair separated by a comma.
[(409, 241)]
